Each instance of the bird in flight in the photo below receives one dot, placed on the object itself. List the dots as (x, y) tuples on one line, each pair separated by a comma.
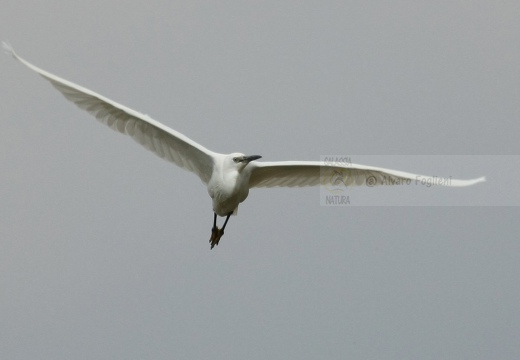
[(228, 177)]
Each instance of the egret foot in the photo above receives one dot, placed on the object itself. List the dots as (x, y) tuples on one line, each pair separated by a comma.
[(216, 234)]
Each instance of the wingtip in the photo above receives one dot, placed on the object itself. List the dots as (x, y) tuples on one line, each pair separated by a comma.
[(8, 49), (477, 180)]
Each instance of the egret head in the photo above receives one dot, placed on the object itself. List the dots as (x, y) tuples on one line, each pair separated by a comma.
[(240, 160)]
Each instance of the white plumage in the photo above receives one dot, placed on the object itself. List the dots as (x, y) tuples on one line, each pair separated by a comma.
[(227, 177)]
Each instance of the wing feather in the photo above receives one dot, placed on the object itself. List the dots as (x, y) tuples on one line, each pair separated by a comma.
[(313, 173), (156, 137)]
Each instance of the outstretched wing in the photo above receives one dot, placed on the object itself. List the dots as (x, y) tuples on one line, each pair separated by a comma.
[(163, 141), (312, 173)]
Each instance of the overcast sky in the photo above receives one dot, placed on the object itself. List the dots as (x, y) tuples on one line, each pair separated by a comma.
[(104, 248)]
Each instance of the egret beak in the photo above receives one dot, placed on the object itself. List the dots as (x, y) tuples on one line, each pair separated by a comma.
[(250, 158)]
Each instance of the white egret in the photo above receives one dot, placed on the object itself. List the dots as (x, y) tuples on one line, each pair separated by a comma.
[(228, 177)]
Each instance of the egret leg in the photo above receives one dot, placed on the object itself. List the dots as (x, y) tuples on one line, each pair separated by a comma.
[(214, 232), (217, 233), (225, 223)]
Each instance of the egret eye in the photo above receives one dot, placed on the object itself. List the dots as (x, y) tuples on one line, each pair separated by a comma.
[(235, 159)]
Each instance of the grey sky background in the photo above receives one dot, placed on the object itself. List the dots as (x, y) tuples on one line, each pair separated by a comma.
[(104, 248)]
